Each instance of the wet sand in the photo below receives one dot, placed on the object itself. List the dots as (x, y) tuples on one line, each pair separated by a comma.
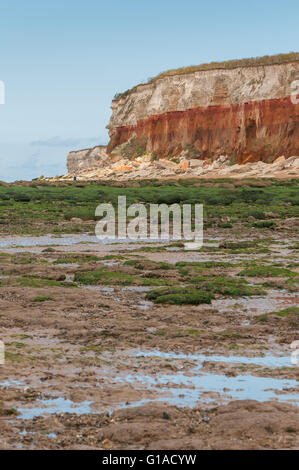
[(101, 366)]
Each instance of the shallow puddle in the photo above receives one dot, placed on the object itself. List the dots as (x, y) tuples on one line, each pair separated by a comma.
[(269, 360), (179, 390), (275, 300), (111, 263), (190, 391), (187, 387), (66, 265), (73, 239), (46, 240), (55, 405), (10, 383), (145, 305), (99, 288), (136, 288), (195, 385)]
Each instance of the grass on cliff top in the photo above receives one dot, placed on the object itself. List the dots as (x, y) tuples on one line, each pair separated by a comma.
[(229, 64)]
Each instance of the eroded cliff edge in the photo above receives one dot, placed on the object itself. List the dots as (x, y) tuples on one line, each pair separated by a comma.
[(243, 112), (81, 160)]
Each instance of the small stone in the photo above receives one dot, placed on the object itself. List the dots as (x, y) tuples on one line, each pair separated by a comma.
[(76, 220), (151, 330)]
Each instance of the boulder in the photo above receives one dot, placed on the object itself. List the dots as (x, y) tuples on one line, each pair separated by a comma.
[(184, 165), (194, 163)]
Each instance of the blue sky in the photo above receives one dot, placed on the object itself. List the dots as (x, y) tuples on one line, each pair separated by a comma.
[(63, 61)]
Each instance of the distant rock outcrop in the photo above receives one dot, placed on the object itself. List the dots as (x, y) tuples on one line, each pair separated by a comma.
[(80, 160)]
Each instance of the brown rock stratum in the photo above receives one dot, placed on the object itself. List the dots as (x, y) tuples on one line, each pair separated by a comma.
[(250, 131)]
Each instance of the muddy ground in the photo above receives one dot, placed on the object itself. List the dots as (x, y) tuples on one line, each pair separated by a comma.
[(105, 350)]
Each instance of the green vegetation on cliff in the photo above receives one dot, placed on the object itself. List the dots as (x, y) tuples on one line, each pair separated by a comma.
[(229, 64)]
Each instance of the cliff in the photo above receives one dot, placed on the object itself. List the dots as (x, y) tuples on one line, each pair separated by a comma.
[(80, 160), (244, 112)]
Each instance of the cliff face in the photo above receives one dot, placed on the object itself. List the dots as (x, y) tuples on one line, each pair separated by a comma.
[(81, 160), (245, 112)]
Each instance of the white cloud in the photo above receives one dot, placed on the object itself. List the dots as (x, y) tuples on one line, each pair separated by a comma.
[(71, 142)]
